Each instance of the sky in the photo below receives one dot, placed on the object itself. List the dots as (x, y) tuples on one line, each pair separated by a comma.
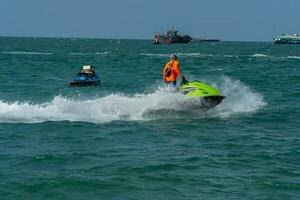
[(229, 20)]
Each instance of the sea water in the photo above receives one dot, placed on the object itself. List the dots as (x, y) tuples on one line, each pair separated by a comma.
[(131, 137)]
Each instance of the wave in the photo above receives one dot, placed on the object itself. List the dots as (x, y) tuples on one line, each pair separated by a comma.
[(178, 54), (259, 55), (293, 57), (47, 53), (231, 56), (160, 104), (274, 57), (88, 54), (201, 55), (26, 53)]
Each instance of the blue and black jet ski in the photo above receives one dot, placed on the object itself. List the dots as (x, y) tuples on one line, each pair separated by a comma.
[(86, 78)]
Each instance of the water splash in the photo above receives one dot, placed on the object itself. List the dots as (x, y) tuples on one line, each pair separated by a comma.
[(239, 98), (163, 103)]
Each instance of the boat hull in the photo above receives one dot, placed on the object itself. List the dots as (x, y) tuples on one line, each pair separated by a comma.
[(177, 39), (287, 42)]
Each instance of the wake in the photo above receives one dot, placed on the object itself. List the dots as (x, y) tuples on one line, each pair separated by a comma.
[(160, 104)]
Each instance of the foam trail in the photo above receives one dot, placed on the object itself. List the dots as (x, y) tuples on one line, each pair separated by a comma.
[(259, 55), (88, 54), (26, 53), (161, 104), (178, 54), (106, 109), (293, 57)]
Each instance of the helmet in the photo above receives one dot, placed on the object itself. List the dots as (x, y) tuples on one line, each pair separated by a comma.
[(87, 67)]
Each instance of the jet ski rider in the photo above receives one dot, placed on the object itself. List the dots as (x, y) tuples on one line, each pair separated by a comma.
[(171, 71), (88, 70)]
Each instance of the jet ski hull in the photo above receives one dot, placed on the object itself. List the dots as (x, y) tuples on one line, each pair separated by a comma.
[(85, 80), (207, 103), (84, 83)]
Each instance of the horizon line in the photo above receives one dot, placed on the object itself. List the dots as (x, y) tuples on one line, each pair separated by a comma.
[(107, 38)]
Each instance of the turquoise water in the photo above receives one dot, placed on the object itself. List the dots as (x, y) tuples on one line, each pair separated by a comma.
[(130, 138)]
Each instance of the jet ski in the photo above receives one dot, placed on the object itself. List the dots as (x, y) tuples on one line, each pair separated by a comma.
[(86, 77), (208, 96)]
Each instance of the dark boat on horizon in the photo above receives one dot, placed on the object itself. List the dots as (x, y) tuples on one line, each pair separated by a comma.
[(171, 37)]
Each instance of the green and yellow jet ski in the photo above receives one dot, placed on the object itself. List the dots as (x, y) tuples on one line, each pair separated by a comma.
[(208, 96)]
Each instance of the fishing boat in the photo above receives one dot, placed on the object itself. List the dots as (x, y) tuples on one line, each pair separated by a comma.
[(171, 37)]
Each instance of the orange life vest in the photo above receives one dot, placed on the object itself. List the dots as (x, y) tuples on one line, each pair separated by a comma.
[(171, 71)]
